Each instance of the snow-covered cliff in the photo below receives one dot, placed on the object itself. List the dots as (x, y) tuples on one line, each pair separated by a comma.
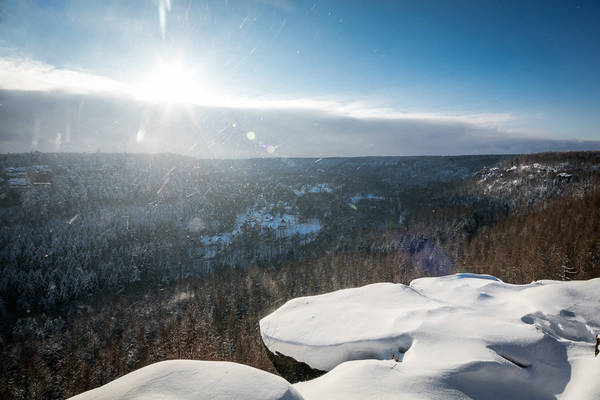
[(459, 336)]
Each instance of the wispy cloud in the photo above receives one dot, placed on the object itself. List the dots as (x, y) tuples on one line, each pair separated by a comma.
[(17, 73), (363, 110)]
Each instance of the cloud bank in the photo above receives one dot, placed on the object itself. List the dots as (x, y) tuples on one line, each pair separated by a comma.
[(58, 121), (50, 109)]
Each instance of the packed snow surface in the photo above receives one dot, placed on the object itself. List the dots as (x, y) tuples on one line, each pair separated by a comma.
[(186, 379), (461, 336)]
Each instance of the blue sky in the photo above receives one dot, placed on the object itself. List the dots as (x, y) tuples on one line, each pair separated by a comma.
[(522, 68)]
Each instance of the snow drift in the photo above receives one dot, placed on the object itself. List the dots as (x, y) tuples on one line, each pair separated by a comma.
[(186, 379), (454, 337)]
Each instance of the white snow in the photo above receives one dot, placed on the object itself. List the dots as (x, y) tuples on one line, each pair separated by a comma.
[(543, 167), (223, 239), (318, 188), (456, 337), (187, 379), (18, 181), (369, 196), (585, 378)]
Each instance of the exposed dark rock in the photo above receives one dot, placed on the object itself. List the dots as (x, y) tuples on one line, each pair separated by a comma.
[(291, 369)]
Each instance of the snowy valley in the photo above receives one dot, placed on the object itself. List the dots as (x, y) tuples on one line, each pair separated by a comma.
[(114, 262)]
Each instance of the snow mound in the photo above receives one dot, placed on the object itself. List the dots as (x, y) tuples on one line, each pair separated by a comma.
[(459, 336), (187, 379)]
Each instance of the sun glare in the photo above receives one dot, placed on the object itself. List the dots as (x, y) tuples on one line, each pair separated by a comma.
[(171, 82)]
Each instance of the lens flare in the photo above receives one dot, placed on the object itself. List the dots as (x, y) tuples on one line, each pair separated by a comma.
[(139, 137)]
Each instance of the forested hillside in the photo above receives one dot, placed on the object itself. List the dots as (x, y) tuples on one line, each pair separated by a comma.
[(559, 241)]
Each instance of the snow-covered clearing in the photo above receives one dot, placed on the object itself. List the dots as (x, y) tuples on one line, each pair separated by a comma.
[(286, 224)]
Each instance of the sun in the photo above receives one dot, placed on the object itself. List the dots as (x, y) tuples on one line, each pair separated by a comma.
[(171, 82)]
